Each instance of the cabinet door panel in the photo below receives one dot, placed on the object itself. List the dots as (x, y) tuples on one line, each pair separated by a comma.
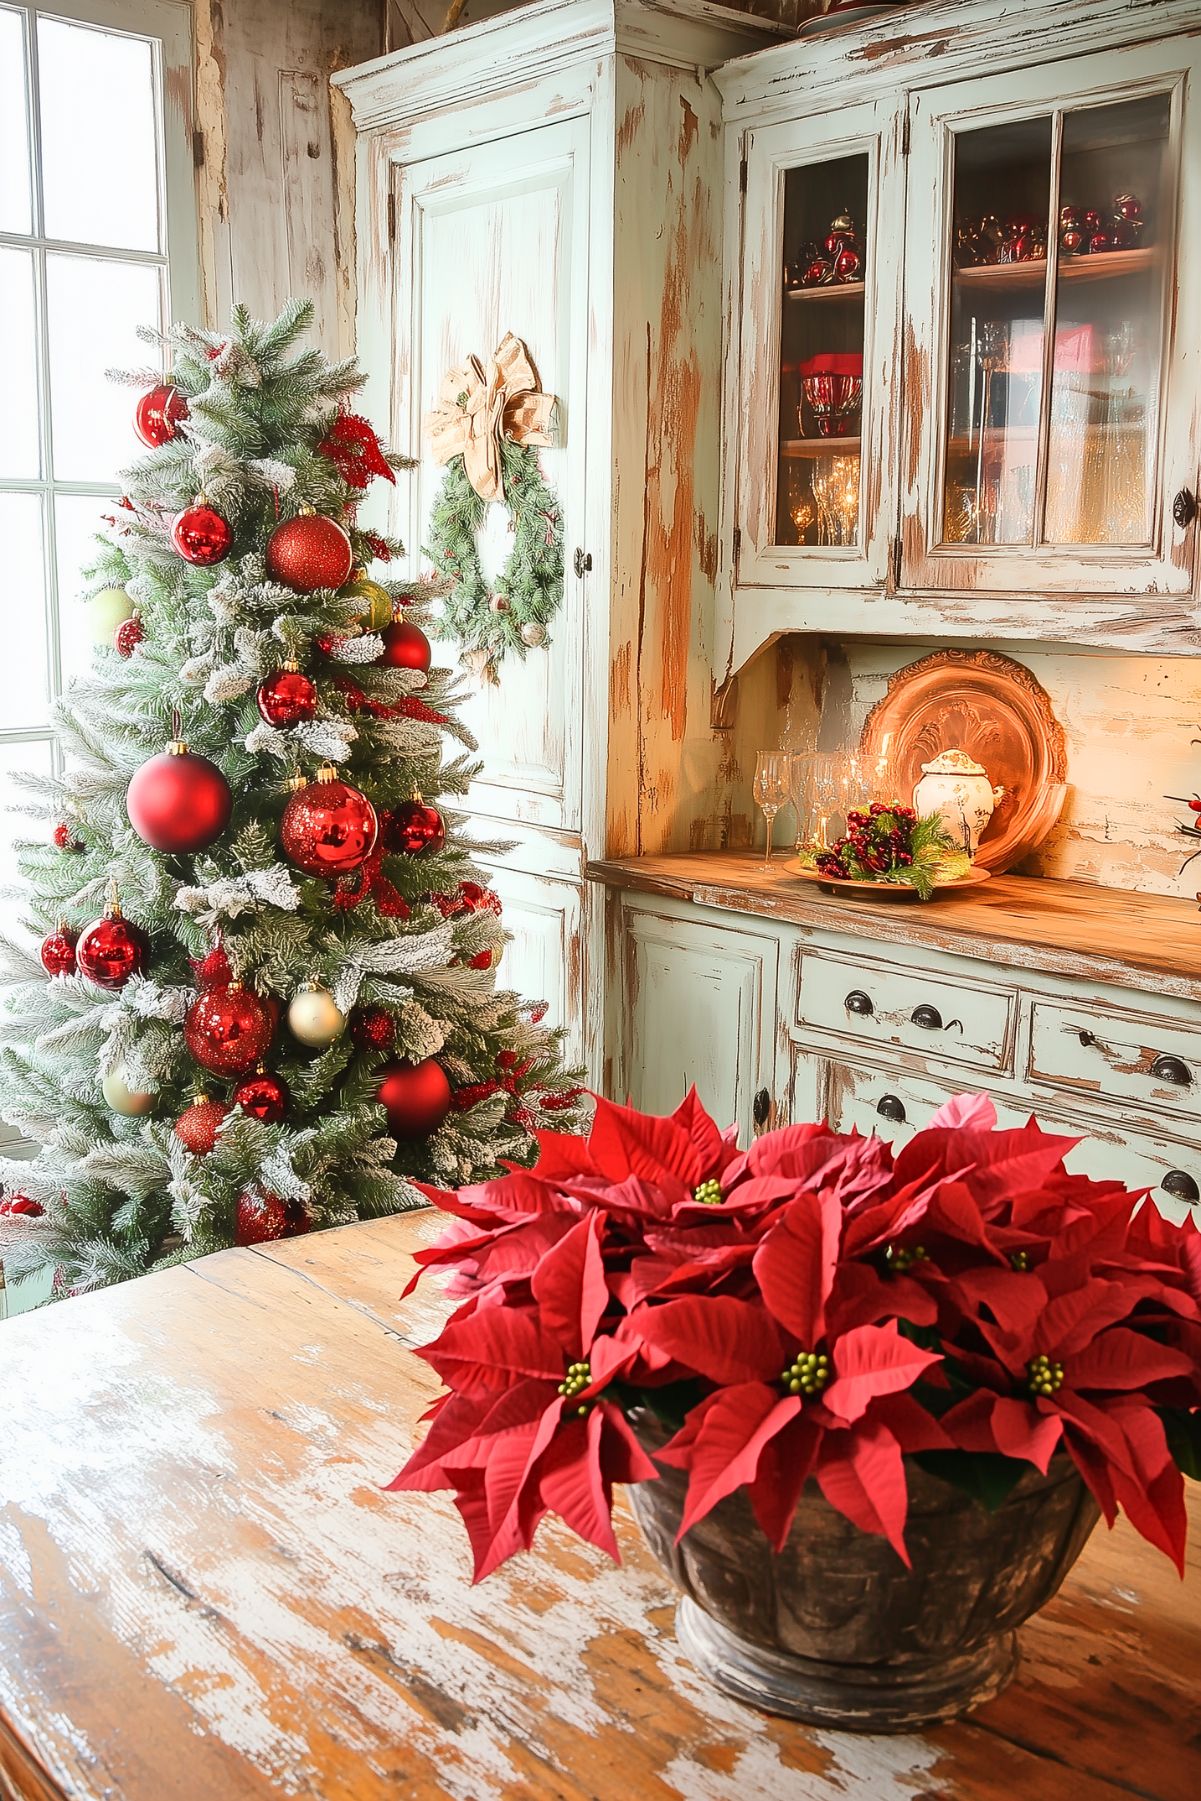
[(495, 240), (544, 959)]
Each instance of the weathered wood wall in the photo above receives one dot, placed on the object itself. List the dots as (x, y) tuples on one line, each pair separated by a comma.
[(409, 21)]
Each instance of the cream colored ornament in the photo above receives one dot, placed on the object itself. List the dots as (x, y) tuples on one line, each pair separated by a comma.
[(957, 789), (107, 610), (313, 1016), (131, 1103)]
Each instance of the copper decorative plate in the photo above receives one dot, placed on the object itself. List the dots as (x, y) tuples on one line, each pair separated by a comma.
[(833, 884), (993, 708)]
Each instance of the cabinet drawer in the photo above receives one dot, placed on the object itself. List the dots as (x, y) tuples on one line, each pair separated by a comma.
[(1093, 1051), (896, 1106), (879, 1004)]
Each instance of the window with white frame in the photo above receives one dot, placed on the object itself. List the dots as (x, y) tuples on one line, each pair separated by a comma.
[(97, 237)]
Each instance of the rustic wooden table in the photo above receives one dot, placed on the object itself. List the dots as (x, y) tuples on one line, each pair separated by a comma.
[(206, 1596)]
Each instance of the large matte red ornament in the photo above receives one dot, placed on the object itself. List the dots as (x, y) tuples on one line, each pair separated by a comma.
[(111, 950), (198, 1125), (58, 953), (262, 1095), (263, 1217), (228, 1030), (416, 1098), (157, 415), (178, 802), (406, 646), (328, 827), (413, 828), (201, 535), (309, 552), (287, 697)]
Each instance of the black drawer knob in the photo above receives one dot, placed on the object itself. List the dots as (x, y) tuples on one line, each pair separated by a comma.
[(761, 1108), (927, 1017), (858, 1002), (1181, 1187), (1172, 1069), (1184, 508), (1087, 1039), (891, 1106)]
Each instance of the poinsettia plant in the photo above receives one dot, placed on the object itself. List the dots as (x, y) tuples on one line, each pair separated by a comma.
[(816, 1308)]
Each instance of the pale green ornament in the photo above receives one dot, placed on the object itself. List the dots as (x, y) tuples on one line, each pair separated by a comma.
[(106, 611), (131, 1103)]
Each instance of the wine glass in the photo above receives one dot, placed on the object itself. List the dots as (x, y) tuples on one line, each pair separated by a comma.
[(771, 788)]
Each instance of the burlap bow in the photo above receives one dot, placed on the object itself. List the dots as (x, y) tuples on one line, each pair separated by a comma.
[(478, 409)]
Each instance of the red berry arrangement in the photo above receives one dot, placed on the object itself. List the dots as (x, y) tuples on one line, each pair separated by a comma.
[(889, 843)]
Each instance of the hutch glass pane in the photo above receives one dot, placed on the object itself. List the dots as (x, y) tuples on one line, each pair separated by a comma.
[(821, 354)]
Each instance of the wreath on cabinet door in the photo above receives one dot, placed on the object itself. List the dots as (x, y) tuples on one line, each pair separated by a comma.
[(487, 429)]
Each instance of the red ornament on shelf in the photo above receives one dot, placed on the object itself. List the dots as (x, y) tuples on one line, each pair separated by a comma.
[(263, 1217), (65, 839), (201, 535), (287, 697), (309, 552), (416, 1098), (58, 953), (128, 636), (157, 416), (178, 802), (405, 646), (413, 828), (262, 1095), (373, 1029), (328, 827), (112, 949), (228, 1030), (198, 1125)]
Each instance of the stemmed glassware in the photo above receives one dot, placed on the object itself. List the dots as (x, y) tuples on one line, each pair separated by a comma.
[(772, 774)]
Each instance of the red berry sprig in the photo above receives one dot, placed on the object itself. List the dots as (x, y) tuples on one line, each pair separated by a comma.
[(877, 843)]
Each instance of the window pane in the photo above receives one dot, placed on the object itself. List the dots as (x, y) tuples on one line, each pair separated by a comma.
[(23, 700), (19, 438), (16, 758), (14, 127), (99, 162), (94, 311), (77, 519)]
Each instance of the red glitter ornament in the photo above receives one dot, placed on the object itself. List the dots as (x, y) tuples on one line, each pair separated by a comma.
[(373, 1029), (263, 1095), (198, 1125), (201, 535), (157, 416), (413, 828), (416, 1098), (328, 827), (128, 636), (287, 697), (228, 1030), (58, 953), (263, 1217), (178, 802), (405, 647), (309, 552), (112, 949), (21, 1206)]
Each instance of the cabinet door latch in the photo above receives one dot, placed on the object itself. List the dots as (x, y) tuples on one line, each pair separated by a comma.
[(582, 562), (761, 1109), (1184, 508)]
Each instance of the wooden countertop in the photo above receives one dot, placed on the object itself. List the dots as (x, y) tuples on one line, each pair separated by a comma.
[(204, 1592), (1148, 941)]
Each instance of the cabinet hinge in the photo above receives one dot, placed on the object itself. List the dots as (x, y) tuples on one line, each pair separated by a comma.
[(742, 176), (906, 125), (737, 546), (391, 218), (896, 562), (197, 148)]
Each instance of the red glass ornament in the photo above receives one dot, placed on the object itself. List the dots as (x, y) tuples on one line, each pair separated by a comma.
[(1091, 220), (58, 953), (848, 265), (228, 1030), (201, 535), (178, 802), (157, 416), (197, 1127), (405, 646), (416, 1098), (111, 950), (1100, 242), (287, 697), (309, 552), (482, 960), (413, 828), (328, 827), (264, 1096), (818, 271), (373, 1029), (128, 636), (65, 838), (1128, 207), (264, 1217), (1071, 239), (21, 1206)]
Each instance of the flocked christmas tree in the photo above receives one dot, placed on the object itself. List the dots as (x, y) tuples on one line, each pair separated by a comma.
[(266, 999)]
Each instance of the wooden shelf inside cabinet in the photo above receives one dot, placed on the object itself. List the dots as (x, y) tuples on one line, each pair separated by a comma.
[(1106, 266), (802, 449), (837, 290)]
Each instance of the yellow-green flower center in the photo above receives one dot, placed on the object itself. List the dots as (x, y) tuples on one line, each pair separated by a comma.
[(578, 1376), (1043, 1376), (807, 1374), (1019, 1260), (901, 1258), (708, 1193)]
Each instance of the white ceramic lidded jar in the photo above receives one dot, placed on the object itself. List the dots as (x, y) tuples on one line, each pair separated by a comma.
[(957, 788)]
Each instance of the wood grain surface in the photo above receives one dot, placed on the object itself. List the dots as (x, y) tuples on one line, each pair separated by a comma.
[(1077, 929), (204, 1592)]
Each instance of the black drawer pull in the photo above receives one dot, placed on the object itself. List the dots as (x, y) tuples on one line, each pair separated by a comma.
[(1087, 1039), (858, 1002), (761, 1108), (927, 1017), (891, 1106), (1184, 508), (1173, 1070), (1181, 1187)]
